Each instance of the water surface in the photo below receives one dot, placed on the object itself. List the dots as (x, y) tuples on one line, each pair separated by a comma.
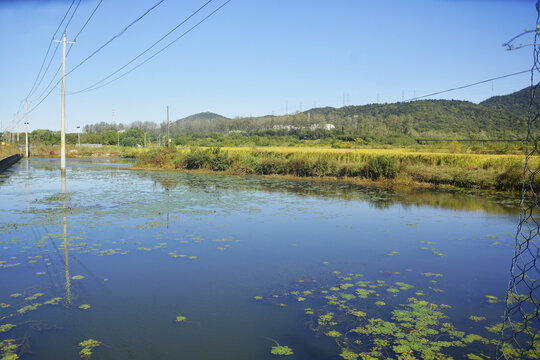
[(240, 258)]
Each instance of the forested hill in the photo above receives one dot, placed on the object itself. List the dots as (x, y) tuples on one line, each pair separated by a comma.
[(517, 102), (203, 116), (497, 117)]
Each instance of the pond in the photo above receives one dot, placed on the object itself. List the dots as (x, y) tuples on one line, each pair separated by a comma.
[(111, 263)]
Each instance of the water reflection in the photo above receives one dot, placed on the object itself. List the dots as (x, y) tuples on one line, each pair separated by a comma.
[(27, 187), (380, 198), (65, 238)]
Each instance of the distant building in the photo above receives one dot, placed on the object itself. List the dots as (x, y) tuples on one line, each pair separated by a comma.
[(327, 127), (90, 145)]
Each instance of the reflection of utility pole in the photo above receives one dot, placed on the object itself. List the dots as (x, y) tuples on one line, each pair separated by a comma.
[(168, 136), (26, 123), (168, 203), (63, 130), (27, 188), (66, 250)]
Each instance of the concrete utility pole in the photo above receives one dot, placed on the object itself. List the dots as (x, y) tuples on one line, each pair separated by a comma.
[(17, 128), (63, 132), (119, 131), (79, 134), (168, 137), (26, 123)]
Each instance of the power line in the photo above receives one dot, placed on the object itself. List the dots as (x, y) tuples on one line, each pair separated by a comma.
[(55, 50), (98, 50), (115, 36), (68, 51), (469, 85), (161, 50), (87, 21), (88, 88), (48, 49)]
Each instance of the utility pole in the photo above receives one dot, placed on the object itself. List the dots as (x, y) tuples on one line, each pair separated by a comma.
[(63, 132), (17, 128), (168, 137), (26, 123)]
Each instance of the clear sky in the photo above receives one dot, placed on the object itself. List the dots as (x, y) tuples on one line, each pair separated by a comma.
[(258, 57)]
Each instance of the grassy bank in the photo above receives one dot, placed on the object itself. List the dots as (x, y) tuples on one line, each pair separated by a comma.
[(73, 151), (8, 150), (500, 172)]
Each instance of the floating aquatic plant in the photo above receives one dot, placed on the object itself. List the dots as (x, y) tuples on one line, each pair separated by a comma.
[(8, 349), (279, 349), (28, 308), (6, 327), (53, 301), (87, 347), (77, 277), (85, 306), (362, 329), (477, 318), (33, 297), (180, 318)]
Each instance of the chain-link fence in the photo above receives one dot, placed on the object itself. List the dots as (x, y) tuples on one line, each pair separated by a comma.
[(520, 332)]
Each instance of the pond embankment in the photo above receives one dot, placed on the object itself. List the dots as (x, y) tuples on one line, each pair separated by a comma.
[(6, 162)]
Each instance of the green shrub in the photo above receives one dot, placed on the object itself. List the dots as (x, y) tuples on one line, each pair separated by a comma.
[(511, 178), (381, 166), (195, 159)]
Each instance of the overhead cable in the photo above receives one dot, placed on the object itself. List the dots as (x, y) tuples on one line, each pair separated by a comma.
[(468, 85), (158, 52), (89, 88), (98, 50)]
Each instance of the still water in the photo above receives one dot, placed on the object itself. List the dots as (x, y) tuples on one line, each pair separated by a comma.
[(118, 256)]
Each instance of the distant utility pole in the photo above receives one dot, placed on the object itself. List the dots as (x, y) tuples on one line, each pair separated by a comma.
[(17, 128), (168, 137), (63, 133), (26, 123)]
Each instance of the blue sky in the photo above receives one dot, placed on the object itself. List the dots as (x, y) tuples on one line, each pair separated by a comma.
[(257, 57)]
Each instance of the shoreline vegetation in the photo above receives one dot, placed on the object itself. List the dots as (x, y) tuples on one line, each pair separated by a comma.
[(392, 167), (387, 167)]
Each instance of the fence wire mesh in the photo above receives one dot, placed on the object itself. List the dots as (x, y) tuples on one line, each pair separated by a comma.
[(520, 332)]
